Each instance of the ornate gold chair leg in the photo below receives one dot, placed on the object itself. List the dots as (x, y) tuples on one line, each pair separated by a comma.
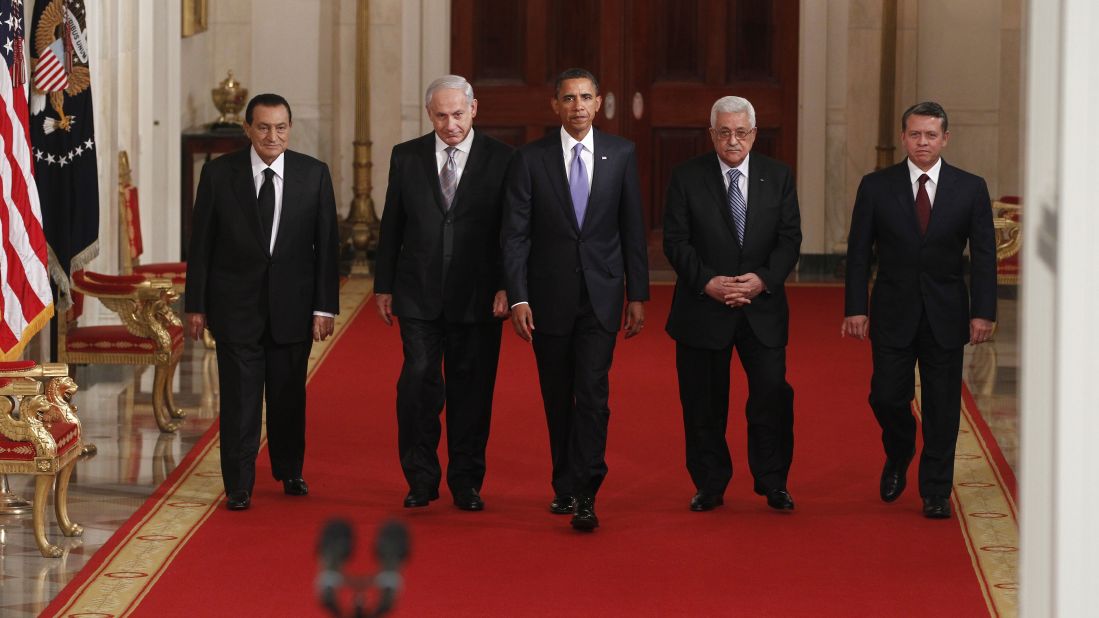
[(42, 485), (173, 410), (161, 383), (208, 340), (61, 502)]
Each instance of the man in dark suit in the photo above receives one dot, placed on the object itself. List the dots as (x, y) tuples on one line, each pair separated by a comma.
[(262, 275), (439, 271), (732, 232), (574, 242), (920, 214)]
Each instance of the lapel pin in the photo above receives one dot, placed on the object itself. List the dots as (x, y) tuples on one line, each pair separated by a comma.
[(604, 158)]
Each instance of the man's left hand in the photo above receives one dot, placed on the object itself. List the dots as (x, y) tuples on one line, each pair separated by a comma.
[(635, 318), (323, 326), (500, 305), (980, 330)]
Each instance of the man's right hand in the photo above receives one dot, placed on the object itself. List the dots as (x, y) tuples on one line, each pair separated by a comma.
[(196, 323), (385, 307), (523, 321), (857, 326), (727, 291)]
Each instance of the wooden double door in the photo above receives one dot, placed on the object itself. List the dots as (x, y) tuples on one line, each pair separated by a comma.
[(661, 65)]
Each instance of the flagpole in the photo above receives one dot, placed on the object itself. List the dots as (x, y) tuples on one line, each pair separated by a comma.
[(10, 503), (362, 219)]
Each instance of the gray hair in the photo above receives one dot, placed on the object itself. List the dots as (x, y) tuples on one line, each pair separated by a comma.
[(449, 82), (733, 105)]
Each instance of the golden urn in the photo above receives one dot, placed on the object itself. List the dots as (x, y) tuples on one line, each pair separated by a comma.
[(229, 98)]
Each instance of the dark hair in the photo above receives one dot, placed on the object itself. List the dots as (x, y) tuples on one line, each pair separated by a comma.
[(927, 108), (574, 73), (267, 100)]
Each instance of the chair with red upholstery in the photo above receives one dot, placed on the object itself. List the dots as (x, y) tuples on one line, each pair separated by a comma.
[(40, 435), (150, 333), (130, 235)]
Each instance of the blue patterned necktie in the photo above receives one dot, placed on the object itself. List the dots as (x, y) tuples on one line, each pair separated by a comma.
[(578, 184), (737, 206)]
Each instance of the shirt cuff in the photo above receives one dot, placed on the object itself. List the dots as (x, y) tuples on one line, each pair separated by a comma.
[(324, 314), (522, 302)]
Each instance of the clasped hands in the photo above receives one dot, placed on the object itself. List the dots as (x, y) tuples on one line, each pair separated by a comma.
[(735, 291)]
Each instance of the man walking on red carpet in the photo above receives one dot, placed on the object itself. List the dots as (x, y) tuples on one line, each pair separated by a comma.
[(919, 215), (439, 271), (574, 245), (732, 232), (262, 274)]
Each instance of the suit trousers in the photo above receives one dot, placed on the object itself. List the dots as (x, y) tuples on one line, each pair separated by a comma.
[(249, 374), (573, 372), (704, 393), (892, 389), (467, 355)]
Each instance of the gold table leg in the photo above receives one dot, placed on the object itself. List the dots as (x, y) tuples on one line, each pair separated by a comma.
[(10, 503)]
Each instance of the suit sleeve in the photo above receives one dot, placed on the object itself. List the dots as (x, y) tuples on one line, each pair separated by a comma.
[(631, 223), (787, 248), (677, 237), (326, 248), (515, 228), (982, 254), (502, 279), (199, 252), (860, 245), (391, 230)]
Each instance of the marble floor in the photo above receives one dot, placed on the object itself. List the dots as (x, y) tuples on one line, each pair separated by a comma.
[(134, 457)]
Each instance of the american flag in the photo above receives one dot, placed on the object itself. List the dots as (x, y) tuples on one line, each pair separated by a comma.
[(26, 303)]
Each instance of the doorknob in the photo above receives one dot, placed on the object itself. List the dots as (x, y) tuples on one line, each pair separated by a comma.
[(638, 106), (609, 105)]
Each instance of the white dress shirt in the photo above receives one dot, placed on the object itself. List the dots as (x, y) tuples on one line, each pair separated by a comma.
[(257, 178), (914, 174), (587, 155), (461, 155), (743, 181)]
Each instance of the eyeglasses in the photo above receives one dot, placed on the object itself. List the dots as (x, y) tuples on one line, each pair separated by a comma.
[(739, 134)]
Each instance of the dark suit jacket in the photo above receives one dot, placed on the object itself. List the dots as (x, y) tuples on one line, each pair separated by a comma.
[(545, 248), (230, 276), (700, 242), (921, 273), (434, 261)]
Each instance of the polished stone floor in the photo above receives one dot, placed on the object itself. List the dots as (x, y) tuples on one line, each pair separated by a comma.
[(134, 457)]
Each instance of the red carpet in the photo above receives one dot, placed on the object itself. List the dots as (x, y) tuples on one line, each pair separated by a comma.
[(841, 553)]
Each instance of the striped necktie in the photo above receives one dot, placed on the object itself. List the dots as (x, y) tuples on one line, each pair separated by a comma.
[(738, 207), (448, 176)]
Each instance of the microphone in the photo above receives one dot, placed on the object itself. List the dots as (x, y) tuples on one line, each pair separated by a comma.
[(333, 550), (391, 549)]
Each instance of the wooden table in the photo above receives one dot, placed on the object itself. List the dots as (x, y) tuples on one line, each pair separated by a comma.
[(197, 141)]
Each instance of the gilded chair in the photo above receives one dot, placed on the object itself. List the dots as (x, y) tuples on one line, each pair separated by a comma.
[(1007, 219), (130, 235), (131, 242), (150, 333), (40, 435)]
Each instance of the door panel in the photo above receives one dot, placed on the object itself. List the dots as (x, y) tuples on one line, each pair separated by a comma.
[(664, 61)]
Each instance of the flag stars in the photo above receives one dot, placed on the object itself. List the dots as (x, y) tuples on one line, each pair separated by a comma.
[(8, 46)]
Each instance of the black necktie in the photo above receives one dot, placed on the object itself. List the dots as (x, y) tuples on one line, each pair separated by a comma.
[(267, 205)]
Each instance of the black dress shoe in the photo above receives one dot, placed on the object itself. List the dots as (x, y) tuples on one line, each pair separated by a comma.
[(936, 507), (419, 497), (563, 504), (894, 478), (469, 500), (780, 499), (238, 500), (584, 519), (706, 502), (295, 487)]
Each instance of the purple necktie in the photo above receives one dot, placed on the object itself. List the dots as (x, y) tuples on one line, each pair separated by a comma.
[(578, 184)]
